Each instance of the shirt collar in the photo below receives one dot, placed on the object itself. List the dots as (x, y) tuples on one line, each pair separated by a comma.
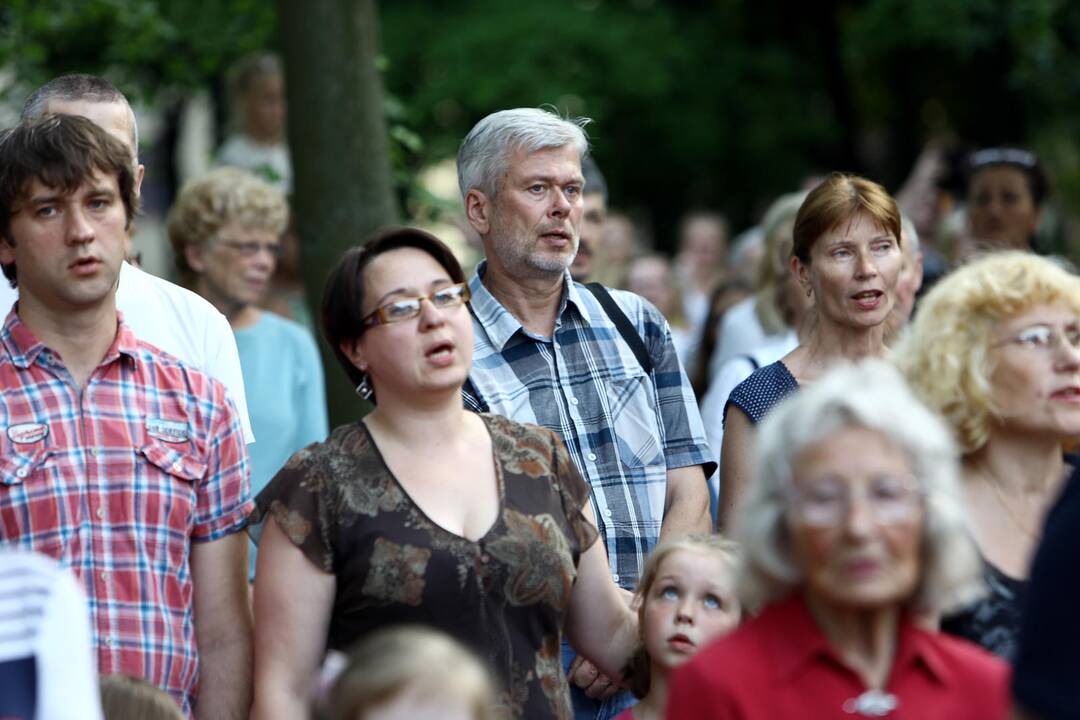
[(498, 322), (796, 642), (24, 348)]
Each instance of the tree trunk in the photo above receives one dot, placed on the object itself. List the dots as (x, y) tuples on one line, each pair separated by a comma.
[(342, 183)]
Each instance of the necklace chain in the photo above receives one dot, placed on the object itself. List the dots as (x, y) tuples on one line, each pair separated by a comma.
[(1000, 495)]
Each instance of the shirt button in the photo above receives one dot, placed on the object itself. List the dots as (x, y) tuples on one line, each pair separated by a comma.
[(21, 472), (107, 640), (573, 401), (607, 512), (485, 558), (93, 451), (100, 513), (615, 577), (592, 456), (105, 577)]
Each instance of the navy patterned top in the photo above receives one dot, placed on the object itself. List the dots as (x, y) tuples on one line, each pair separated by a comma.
[(757, 394)]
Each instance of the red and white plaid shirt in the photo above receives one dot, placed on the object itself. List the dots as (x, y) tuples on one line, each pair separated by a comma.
[(115, 482)]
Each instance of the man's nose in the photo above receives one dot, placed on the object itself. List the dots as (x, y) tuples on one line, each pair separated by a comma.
[(561, 203), (79, 228)]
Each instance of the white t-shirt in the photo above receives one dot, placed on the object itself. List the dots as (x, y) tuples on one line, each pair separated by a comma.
[(731, 373), (47, 669), (179, 322), (740, 332)]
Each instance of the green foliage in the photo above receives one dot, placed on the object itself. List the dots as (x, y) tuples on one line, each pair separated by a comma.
[(146, 46), (723, 103)]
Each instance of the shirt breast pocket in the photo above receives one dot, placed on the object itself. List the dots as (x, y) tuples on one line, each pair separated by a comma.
[(634, 421), (37, 511), (167, 494)]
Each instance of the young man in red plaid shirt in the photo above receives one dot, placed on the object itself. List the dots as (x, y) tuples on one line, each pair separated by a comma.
[(117, 459)]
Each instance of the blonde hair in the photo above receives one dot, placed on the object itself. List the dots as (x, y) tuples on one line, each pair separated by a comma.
[(945, 351), (220, 197), (129, 698), (774, 261), (638, 669), (871, 395), (384, 663)]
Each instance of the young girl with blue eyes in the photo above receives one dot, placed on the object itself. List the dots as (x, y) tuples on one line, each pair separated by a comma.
[(686, 598)]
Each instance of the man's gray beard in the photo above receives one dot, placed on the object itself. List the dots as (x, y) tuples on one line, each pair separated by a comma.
[(535, 265), (549, 264)]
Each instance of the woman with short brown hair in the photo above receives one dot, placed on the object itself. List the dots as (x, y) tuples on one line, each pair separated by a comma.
[(846, 256)]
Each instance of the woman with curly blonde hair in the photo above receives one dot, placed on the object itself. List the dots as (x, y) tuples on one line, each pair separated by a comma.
[(995, 349)]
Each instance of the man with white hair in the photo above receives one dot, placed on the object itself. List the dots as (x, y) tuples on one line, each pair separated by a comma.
[(597, 367), (159, 312)]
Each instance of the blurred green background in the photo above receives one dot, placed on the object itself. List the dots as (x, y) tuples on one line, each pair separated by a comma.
[(720, 104)]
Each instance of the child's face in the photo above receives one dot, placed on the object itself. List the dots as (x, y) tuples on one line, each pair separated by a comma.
[(691, 602)]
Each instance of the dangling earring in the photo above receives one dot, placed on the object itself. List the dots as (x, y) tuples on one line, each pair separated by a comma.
[(809, 291), (364, 389)]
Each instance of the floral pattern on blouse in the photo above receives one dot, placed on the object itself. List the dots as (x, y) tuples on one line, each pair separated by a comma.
[(504, 595)]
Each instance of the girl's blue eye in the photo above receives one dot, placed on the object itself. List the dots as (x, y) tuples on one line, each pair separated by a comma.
[(669, 593), (712, 602)]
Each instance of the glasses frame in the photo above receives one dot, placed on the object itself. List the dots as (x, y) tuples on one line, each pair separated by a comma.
[(1059, 340), (378, 315), (796, 505), (251, 248)]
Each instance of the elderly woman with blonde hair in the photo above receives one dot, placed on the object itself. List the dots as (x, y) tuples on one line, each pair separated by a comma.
[(852, 530), (995, 349)]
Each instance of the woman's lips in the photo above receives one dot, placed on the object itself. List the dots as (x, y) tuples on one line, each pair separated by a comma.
[(1068, 394), (862, 568), (441, 355), (868, 299)]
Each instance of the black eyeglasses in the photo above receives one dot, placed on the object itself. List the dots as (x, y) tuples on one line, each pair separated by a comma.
[(445, 297), (250, 248)]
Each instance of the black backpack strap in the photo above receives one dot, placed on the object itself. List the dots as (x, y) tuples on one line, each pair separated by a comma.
[(623, 325), (750, 359)]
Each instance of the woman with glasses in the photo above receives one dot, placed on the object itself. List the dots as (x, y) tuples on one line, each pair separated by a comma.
[(995, 349), (853, 534), (847, 260), (226, 232), (425, 513)]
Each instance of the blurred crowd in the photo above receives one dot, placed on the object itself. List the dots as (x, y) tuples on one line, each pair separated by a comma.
[(817, 467)]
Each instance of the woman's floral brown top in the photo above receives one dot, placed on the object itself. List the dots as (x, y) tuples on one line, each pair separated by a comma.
[(503, 595)]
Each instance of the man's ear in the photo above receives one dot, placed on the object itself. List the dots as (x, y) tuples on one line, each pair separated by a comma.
[(478, 211), (7, 250), (140, 172)]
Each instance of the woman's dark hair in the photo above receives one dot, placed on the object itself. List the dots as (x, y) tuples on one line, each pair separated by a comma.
[(710, 332), (343, 294), (1023, 160)]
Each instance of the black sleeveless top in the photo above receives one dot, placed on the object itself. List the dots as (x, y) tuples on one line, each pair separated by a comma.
[(993, 621)]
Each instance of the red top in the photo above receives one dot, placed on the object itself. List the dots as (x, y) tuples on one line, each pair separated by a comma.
[(627, 714), (779, 665)]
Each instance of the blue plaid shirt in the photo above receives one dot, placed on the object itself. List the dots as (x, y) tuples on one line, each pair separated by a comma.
[(624, 428)]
